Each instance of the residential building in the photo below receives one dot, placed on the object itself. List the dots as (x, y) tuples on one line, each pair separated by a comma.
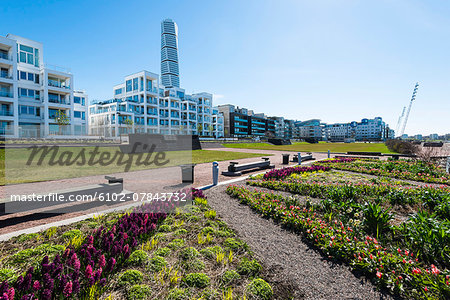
[(37, 100), (241, 122), (310, 129), (141, 105), (170, 73), (366, 130)]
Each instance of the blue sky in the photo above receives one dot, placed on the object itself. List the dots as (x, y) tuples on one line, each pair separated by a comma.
[(334, 60)]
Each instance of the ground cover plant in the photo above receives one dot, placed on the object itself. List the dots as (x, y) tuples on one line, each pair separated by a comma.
[(396, 232), (416, 170), (134, 255), (319, 147)]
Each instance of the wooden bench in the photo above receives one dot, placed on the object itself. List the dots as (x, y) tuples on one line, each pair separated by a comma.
[(304, 157), (236, 169)]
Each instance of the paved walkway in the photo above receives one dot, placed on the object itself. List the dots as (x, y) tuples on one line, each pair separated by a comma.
[(145, 181)]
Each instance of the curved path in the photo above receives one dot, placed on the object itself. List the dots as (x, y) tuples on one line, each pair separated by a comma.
[(292, 264)]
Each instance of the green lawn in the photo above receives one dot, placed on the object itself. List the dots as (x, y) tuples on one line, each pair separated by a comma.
[(320, 147), (18, 172)]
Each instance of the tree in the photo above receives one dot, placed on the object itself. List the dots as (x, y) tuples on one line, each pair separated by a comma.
[(211, 129), (129, 125), (61, 119), (199, 129)]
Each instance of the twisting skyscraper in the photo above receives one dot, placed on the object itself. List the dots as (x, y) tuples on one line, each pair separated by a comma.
[(170, 74)]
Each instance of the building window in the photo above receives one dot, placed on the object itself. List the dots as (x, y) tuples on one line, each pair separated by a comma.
[(135, 84), (31, 76), (76, 100), (118, 91), (77, 114), (128, 85), (23, 75)]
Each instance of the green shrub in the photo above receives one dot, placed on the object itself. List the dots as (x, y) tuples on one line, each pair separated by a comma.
[(201, 201), (235, 244), (210, 252), (27, 237), (188, 253), (230, 276), (180, 232), (165, 228), (223, 233), (163, 252), (130, 277), (207, 230), (176, 244), (72, 233), (157, 263), (193, 219), (210, 214), (193, 265), (210, 294), (199, 280), (260, 289), (138, 257), (93, 224), (178, 294), (139, 292), (7, 274), (248, 267), (36, 254)]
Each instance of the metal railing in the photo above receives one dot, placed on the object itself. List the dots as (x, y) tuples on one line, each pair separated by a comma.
[(5, 75), (4, 55), (6, 113)]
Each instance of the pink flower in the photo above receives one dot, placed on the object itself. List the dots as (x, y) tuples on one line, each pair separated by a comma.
[(379, 274), (36, 285), (11, 293), (88, 272), (102, 261), (416, 271), (68, 289), (435, 270)]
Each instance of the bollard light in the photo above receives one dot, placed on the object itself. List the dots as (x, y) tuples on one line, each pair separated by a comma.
[(299, 158), (329, 154), (215, 172)]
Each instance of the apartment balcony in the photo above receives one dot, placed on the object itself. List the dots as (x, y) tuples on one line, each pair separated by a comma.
[(152, 90), (241, 120), (59, 101), (6, 94), (58, 84), (5, 75), (6, 56), (150, 101), (8, 130), (6, 113)]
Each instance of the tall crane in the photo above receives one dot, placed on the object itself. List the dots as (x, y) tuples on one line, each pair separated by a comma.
[(400, 120), (416, 87)]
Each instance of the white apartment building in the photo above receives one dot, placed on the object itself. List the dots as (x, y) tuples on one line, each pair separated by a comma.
[(141, 105), (34, 96), (366, 130)]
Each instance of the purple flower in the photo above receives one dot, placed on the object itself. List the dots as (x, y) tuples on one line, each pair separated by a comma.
[(68, 289), (102, 261), (88, 272), (36, 285), (47, 294)]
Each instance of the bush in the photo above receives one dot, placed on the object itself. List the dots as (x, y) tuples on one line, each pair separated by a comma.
[(189, 253), (402, 147), (131, 277), (26, 237), (235, 244), (176, 244), (260, 289), (178, 294), (230, 276), (72, 233), (163, 252), (157, 263), (210, 252), (207, 230), (193, 265), (165, 228), (138, 257), (199, 280), (249, 267), (139, 292), (6, 274), (180, 232), (210, 214)]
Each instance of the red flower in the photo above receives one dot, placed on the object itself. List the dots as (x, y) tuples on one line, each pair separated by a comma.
[(379, 274)]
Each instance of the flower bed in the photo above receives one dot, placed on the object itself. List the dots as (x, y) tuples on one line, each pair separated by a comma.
[(136, 255), (403, 169), (397, 269), (284, 172)]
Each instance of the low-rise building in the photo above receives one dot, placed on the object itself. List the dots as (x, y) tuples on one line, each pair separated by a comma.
[(37, 99), (366, 130), (241, 122)]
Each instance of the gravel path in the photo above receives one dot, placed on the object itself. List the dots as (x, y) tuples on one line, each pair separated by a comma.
[(291, 264)]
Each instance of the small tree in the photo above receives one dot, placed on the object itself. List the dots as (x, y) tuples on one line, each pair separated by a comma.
[(211, 129), (199, 129), (128, 124), (61, 119)]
